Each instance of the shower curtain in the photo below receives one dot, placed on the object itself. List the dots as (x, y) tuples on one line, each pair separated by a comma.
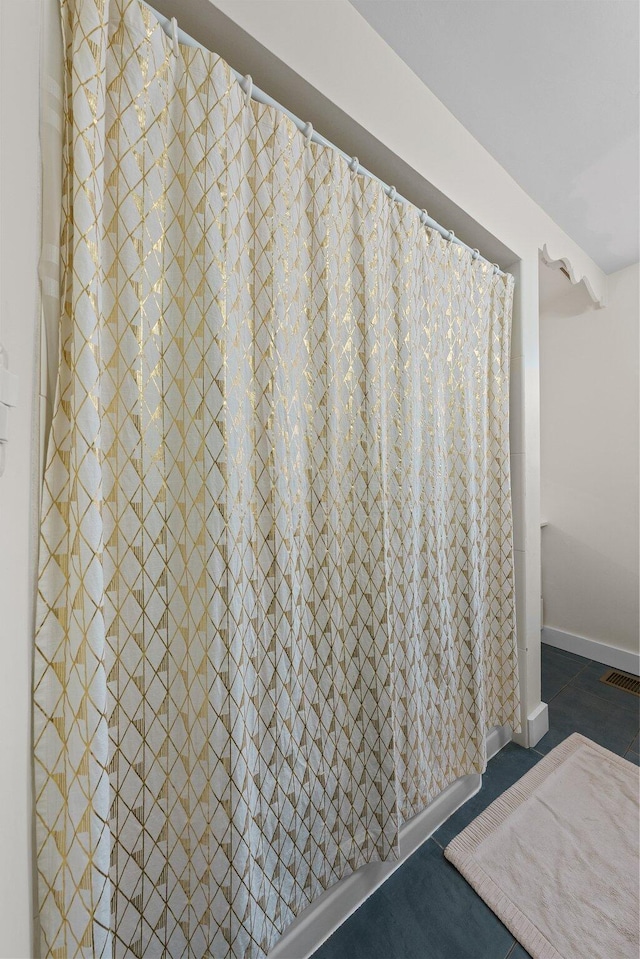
[(275, 612)]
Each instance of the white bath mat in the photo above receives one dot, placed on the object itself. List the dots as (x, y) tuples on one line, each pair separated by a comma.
[(556, 856)]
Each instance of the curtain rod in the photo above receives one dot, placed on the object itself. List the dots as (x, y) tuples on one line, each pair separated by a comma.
[(172, 30)]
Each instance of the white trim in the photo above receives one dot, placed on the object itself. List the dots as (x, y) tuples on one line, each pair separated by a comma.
[(321, 919), (592, 649), (497, 738), (599, 300), (537, 724)]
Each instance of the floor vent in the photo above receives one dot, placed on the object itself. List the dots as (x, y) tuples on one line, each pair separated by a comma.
[(625, 681)]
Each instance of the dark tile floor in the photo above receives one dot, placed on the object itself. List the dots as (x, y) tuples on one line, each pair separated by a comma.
[(426, 910)]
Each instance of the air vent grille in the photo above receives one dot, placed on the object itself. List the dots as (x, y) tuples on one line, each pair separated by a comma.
[(624, 681)]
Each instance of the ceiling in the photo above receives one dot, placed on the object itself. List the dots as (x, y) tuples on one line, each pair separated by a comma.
[(550, 89)]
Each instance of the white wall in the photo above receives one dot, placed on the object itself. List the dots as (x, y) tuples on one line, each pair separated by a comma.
[(19, 241), (589, 458)]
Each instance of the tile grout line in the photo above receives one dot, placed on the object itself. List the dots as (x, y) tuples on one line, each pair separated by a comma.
[(595, 696), (607, 701), (604, 666), (567, 654), (590, 692), (568, 683), (628, 749)]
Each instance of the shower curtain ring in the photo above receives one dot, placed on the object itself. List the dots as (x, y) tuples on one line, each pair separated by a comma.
[(174, 34), (392, 193), (354, 163), (475, 254), (496, 269), (308, 133), (247, 86), (451, 236), (423, 217)]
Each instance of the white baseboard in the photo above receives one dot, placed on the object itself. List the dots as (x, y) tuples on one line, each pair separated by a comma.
[(538, 724), (534, 728), (592, 649), (497, 738), (321, 919)]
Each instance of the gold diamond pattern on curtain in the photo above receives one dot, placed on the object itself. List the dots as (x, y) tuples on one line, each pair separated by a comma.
[(275, 609)]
